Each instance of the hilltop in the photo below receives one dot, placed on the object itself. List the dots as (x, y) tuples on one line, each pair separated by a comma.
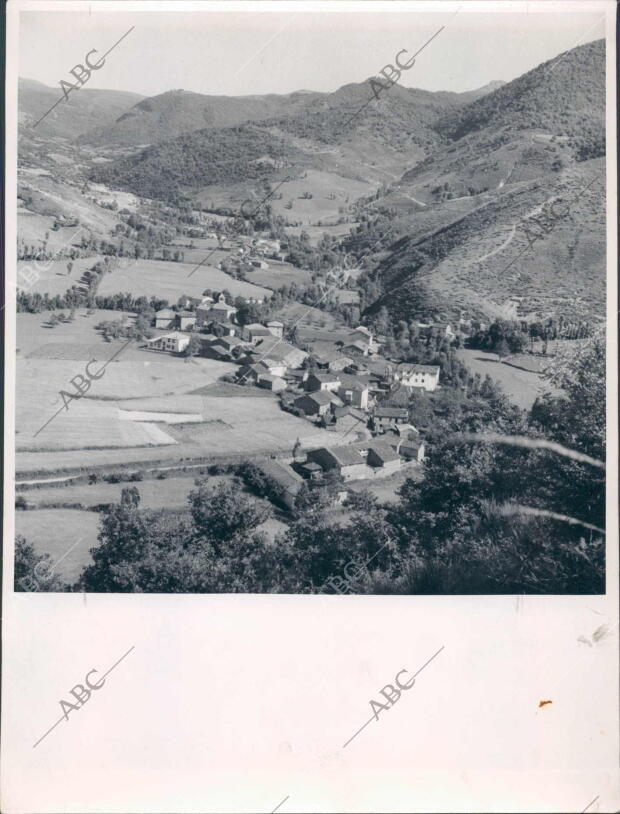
[(75, 115), (176, 112), (508, 155)]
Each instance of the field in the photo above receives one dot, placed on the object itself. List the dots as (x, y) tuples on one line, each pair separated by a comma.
[(232, 422), (320, 185), (306, 316), (279, 274), (168, 493), (169, 280), (522, 387)]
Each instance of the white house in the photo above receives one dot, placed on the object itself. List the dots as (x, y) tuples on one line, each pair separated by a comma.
[(425, 377), (175, 342)]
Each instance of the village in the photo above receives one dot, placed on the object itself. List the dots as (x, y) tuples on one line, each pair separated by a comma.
[(340, 388)]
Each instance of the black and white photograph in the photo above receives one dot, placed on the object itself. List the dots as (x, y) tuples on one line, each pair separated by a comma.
[(310, 403), (304, 327)]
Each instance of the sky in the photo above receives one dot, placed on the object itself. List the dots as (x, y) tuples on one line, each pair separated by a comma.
[(245, 52)]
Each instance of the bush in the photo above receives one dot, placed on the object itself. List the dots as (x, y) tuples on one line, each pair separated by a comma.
[(21, 503)]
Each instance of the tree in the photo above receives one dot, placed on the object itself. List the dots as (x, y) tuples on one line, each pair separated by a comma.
[(195, 346), (502, 349), (222, 512), (34, 572)]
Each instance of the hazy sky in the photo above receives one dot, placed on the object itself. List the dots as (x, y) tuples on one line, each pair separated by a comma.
[(278, 52)]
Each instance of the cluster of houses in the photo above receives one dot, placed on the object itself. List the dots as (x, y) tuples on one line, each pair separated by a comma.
[(252, 253), (341, 390)]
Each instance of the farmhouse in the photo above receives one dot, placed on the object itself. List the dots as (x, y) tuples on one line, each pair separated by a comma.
[(224, 328), (355, 394), (185, 319), (318, 403), (287, 479), (251, 373), (278, 351), (321, 381), (311, 470), (356, 348), (259, 264), (254, 332), (332, 359), (273, 383), (276, 328), (411, 446), (364, 335), (381, 456), (165, 318), (230, 343), (389, 417), (175, 342), (347, 420), (425, 377), (346, 461)]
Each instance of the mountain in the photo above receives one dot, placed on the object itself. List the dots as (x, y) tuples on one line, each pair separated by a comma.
[(76, 114), (471, 95), (205, 157), (564, 96), (304, 113), (506, 158), (351, 132), (176, 112)]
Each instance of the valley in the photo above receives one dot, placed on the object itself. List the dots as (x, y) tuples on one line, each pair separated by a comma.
[(266, 280)]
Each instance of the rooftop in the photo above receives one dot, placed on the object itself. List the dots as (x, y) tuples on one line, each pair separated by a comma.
[(346, 455), (392, 412), (172, 335), (283, 473), (432, 370), (383, 451)]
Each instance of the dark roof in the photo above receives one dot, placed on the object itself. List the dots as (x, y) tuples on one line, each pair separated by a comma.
[(282, 473), (383, 451), (346, 456), (350, 379), (340, 412), (321, 397), (361, 346), (392, 412), (324, 378), (276, 349)]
